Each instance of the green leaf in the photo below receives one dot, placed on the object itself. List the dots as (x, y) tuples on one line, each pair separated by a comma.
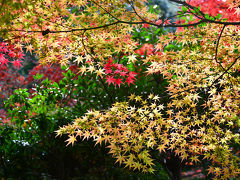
[(219, 16), (184, 9), (38, 76)]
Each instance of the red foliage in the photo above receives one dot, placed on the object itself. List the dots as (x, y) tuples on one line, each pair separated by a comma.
[(3, 117), (148, 48), (10, 53), (53, 73), (215, 7), (145, 26), (10, 79), (116, 73), (212, 8)]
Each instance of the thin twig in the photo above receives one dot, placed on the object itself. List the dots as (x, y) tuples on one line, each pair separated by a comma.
[(234, 62)]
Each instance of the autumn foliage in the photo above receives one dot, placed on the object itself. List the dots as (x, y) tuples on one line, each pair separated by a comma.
[(192, 113)]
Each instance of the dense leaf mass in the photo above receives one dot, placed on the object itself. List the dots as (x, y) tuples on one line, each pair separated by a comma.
[(195, 114)]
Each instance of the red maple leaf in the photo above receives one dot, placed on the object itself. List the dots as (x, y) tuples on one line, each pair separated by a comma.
[(167, 21), (2, 44), (145, 25), (3, 60), (1, 56), (108, 66), (108, 71), (158, 22), (17, 63), (123, 73), (19, 55), (145, 48), (110, 80), (117, 71), (118, 81), (119, 66), (132, 75), (11, 54), (129, 80), (4, 50), (110, 61), (125, 69)]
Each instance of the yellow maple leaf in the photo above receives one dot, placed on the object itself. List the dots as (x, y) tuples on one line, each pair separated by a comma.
[(71, 140)]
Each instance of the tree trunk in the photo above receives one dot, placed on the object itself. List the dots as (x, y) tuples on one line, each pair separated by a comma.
[(173, 166)]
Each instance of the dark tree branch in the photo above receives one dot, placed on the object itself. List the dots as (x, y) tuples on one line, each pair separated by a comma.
[(216, 50), (203, 20), (136, 23), (234, 62), (132, 5)]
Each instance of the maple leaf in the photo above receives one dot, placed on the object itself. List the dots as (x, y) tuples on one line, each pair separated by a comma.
[(145, 48), (98, 140), (129, 80), (3, 60), (217, 170), (120, 159), (108, 71), (118, 66), (131, 97), (118, 81), (158, 22), (123, 73), (117, 71), (108, 66), (156, 97), (132, 58), (237, 11), (138, 98), (132, 75), (29, 48), (86, 135), (17, 63), (145, 25), (110, 80), (71, 140), (11, 54), (167, 21), (5, 50), (99, 72), (83, 69), (91, 69), (19, 55), (79, 59)]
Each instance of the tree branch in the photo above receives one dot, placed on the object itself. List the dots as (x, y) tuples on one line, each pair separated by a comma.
[(234, 62), (216, 50)]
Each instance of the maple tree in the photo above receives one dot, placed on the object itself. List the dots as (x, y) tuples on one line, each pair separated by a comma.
[(193, 112)]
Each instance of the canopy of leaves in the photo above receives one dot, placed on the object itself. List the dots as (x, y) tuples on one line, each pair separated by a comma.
[(193, 113)]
